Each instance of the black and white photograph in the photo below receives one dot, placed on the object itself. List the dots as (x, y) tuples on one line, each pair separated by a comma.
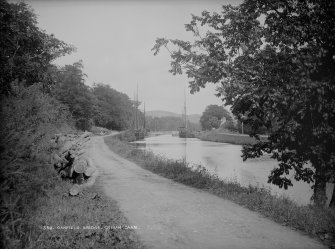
[(167, 124)]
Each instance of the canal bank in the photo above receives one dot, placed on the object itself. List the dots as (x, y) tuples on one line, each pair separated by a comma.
[(172, 215), (317, 223), (225, 161), (225, 137)]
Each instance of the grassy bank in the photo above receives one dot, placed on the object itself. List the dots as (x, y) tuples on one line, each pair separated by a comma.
[(318, 223), (37, 212), (224, 137)]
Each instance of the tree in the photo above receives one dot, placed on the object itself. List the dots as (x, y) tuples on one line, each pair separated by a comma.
[(274, 63), (214, 122), (26, 52), (71, 90), (113, 110), (212, 117)]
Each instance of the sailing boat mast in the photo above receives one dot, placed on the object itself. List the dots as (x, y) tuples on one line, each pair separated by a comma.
[(136, 111), (183, 131), (185, 113), (139, 130), (144, 124)]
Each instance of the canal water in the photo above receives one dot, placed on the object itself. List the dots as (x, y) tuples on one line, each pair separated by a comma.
[(225, 160)]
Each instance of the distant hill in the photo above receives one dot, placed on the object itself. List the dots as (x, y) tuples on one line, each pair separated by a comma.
[(194, 118), (159, 114)]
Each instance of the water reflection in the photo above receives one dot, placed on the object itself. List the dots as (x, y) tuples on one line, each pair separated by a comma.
[(225, 161)]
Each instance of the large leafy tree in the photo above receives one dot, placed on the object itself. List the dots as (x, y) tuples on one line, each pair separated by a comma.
[(26, 51), (212, 117), (274, 62)]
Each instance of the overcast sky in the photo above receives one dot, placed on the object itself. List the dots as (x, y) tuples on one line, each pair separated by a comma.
[(114, 40)]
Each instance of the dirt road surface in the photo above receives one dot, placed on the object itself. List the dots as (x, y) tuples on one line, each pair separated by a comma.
[(171, 215)]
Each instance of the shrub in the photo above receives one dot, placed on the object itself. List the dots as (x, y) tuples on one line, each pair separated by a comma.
[(84, 124), (127, 136), (29, 118)]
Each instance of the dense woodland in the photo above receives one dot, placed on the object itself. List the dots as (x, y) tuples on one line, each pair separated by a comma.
[(27, 53)]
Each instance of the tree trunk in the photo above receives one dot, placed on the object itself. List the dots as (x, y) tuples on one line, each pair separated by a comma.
[(319, 195)]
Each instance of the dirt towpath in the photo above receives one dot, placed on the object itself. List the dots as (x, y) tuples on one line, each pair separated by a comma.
[(171, 215)]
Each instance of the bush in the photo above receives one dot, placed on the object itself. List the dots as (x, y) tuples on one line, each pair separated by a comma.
[(230, 126), (29, 118), (127, 136), (84, 124)]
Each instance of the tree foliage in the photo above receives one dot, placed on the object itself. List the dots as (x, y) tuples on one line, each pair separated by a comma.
[(100, 105), (113, 110), (26, 52), (71, 90), (29, 118), (274, 63), (213, 116)]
